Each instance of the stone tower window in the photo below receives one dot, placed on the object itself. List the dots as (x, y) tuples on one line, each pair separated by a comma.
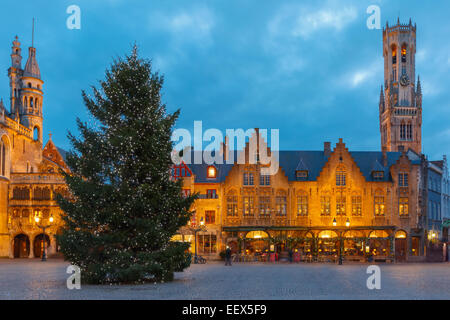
[(404, 53), (394, 55)]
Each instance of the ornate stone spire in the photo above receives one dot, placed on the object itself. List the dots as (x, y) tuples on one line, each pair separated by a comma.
[(32, 67)]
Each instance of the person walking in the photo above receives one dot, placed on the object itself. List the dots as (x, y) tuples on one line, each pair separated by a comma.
[(290, 255), (228, 256)]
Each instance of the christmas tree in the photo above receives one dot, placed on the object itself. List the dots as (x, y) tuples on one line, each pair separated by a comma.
[(124, 206)]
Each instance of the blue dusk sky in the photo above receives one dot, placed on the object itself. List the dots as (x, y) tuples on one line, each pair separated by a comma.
[(309, 68)]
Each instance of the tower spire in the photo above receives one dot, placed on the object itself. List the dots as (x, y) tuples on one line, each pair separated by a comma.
[(32, 35)]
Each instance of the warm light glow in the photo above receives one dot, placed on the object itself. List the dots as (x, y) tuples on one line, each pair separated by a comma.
[(211, 172), (347, 223), (202, 222), (51, 219), (36, 218), (334, 222)]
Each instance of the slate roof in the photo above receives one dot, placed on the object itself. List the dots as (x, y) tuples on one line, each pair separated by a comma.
[(313, 162)]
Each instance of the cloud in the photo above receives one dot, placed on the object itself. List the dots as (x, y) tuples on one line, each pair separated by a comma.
[(293, 25), (194, 25), (301, 21), (361, 75)]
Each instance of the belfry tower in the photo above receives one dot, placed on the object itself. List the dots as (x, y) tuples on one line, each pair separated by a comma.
[(26, 92), (400, 97)]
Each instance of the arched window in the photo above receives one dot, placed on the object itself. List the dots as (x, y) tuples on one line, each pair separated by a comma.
[(21, 193), (36, 133), (404, 53), (394, 54), (2, 158)]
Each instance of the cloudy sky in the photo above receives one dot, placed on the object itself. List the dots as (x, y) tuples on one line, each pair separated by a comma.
[(309, 68)]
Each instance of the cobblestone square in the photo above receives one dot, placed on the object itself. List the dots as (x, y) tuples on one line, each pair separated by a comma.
[(33, 279)]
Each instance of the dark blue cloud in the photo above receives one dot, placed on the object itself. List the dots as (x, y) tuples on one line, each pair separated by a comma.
[(310, 68)]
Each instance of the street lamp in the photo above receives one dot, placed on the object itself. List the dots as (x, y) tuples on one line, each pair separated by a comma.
[(341, 242), (195, 230), (334, 222), (43, 227)]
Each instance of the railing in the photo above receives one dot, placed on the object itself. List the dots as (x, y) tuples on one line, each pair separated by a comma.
[(18, 127), (257, 221), (37, 178), (208, 196)]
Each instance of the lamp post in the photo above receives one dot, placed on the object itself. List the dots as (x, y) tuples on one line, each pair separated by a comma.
[(195, 230), (341, 241), (43, 227)]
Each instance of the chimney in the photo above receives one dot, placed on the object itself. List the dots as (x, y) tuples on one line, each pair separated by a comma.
[(226, 149), (384, 150), (327, 149)]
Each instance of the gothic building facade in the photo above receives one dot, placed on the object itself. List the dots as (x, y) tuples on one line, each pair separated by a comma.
[(29, 171), (328, 203)]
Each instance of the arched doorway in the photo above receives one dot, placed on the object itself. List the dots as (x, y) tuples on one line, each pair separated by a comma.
[(354, 242), (400, 246), (379, 243), (256, 242), (21, 246), (328, 243), (39, 244)]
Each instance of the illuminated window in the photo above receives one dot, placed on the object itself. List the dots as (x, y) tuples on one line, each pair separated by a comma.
[(302, 205), (394, 55), (356, 206), (212, 172), (403, 206), (281, 204), (404, 53), (340, 206), (379, 206), (264, 206), (325, 206), (232, 206), (210, 217), (186, 192), (248, 206)]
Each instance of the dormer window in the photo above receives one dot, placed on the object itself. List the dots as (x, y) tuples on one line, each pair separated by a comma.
[(378, 175), (301, 174), (211, 172)]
